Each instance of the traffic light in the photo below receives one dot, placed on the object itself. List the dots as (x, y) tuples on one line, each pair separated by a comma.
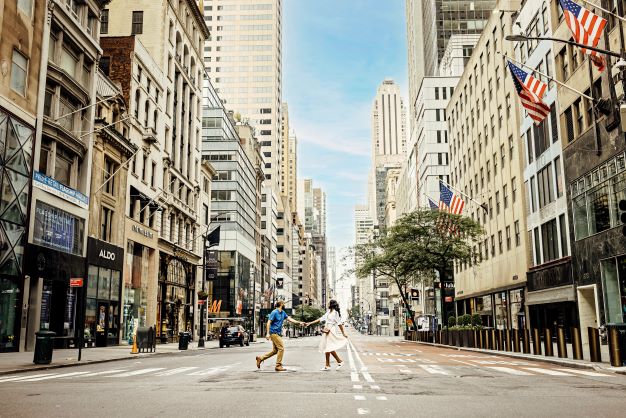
[(415, 294), (622, 216)]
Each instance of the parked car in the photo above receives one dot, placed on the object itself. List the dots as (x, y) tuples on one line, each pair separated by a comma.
[(235, 334)]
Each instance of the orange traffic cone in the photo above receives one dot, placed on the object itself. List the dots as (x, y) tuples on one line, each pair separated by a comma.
[(134, 349)]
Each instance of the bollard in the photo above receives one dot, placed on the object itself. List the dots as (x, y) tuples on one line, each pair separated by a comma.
[(500, 340), (594, 345), (536, 342), (560, 343), (494, 342), (507, 336), (547, 342), (526, 342), (577, 346), (475, 338), (479, 340), (516, 341), (487, 339), (614, 348)]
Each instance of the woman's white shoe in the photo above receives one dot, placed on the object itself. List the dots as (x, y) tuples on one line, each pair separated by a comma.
[(339, 365), (325, 368)]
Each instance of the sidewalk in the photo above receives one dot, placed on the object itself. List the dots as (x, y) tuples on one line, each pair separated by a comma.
[(565, 362), (23, 361)]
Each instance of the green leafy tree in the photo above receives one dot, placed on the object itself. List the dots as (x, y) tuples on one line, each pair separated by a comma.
[(420, 244)]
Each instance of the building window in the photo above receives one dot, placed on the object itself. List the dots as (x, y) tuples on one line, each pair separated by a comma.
[(558, 177), (144, 168), (564, 234), (104, 22), (106, 220), (109, 180), (137, 25), (518, 238), (508, 238), (549, 240), (63, 166), (19, 69), (153, 174)]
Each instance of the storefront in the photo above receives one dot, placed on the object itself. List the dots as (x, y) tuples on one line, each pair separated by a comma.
[(501, 310), (175, 299), (102, 303), (614, 289), (140, 279), (16, 143)]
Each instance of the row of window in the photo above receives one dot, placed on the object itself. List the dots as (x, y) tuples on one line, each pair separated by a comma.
[(487, 248)]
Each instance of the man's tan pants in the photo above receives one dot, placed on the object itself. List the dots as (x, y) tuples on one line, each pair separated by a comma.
[(277, 348)]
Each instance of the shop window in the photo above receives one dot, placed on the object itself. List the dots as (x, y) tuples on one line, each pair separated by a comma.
[(19, 70), (614, 286)]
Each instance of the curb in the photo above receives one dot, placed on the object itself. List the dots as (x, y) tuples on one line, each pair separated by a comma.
[(557, 361)]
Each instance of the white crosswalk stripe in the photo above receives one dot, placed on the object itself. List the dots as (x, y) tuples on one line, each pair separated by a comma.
[(54, 376), (509, 370), (138, 372), (175, 371), (359, 397), (432, 369), (550, 372), (104, 372), (587, 373), (16, 378)]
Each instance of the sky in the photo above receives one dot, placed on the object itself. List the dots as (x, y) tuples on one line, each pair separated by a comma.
[(335, 55)]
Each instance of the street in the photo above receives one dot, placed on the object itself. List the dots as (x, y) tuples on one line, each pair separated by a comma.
[(382, 376)]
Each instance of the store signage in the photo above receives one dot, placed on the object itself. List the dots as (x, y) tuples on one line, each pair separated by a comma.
[(279, 282), (57, 229), (142, 231), (551, 276), (101, 253), (52, 186), (78, 282), (211, 265)]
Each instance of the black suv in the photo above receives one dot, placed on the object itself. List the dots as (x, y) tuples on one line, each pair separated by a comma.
[(235, 334)]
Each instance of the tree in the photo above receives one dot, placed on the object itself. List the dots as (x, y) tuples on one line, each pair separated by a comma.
[(420, 243)]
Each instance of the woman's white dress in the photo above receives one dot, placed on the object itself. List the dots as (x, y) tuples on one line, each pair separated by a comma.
[(334, 340)]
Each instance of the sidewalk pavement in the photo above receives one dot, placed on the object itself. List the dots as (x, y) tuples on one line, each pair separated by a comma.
[(23, 361), (565, 362)]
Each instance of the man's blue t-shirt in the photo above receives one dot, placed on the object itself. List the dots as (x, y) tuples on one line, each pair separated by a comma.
[(277, 317)]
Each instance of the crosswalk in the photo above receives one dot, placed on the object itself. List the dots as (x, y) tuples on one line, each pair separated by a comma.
[(434, 369), (117, 373)]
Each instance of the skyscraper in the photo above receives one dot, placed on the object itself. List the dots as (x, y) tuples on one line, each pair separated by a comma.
[(388, 125), (243, 57), (430, 24)]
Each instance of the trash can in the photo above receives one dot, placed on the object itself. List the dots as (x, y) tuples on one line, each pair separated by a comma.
[(101, 339), (617, 343), (183, 340), (44, 344)]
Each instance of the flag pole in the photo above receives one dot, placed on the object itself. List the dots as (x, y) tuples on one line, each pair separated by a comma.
[(470, 198), (586, 96), (597, 6)]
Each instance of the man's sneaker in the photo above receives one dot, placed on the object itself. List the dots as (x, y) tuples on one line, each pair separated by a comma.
[(258, 362), (280, 369), (339, 365), (325, 368)]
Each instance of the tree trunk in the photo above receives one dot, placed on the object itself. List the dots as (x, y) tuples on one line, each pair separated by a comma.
[(407, 304)]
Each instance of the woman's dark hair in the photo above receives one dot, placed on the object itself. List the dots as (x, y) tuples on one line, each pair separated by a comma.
[(334, 305)]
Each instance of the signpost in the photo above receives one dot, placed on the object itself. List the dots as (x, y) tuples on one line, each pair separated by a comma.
[(78, 282)]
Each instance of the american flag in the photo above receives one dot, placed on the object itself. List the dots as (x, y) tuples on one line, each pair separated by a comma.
[(433, 205), (532, 102), (586, 28), (453, 202)]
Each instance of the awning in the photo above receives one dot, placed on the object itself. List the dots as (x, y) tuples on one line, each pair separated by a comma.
[(554, 295), (144, 199)]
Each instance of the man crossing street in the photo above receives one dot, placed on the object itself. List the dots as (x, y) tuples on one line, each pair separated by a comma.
[(274, 330)]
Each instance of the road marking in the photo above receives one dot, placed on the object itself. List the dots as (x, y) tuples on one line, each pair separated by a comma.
[(175, 371), (381, 398), (138, 372), (587, 373), (406, 371), (363, 411), (550, 372), (351, 359), (359, 387), (375, 387), (212, 370), (16, 378), (56, 376), (359, 397), (510, 371), (367, 377), (358, 357), (104, 372), (354, 376), (433, 369)]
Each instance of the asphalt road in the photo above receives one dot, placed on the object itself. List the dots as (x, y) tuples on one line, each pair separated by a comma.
[(382, 376)]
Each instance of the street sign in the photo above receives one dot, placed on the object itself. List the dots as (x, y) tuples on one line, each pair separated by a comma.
[(211, 265), (78, 282), (201, 302), (279, 282)]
